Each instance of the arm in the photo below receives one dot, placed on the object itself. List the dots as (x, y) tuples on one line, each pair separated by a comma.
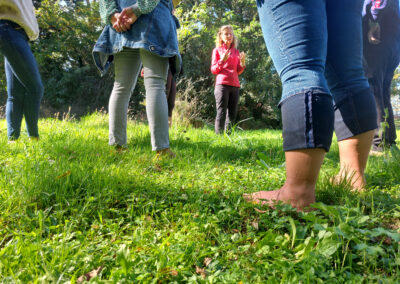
[(376, 9), (240, 69), (144, 7), (107, 9), (374, 32), (216, 63), (129, 15), (242, 63)]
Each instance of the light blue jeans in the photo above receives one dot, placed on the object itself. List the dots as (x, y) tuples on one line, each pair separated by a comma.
[(24, 85), (316, 47), (127, 67)]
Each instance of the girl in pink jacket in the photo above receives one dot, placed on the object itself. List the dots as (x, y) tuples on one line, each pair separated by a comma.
[(227, 64)]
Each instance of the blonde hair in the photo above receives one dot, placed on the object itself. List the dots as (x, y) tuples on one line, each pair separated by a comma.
[(218, 40)]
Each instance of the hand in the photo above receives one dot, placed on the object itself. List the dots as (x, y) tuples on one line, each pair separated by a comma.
[(128, 16), (374, 33), (242, 57), (123, 21), (118, 24), (114, 18), (226, 55)]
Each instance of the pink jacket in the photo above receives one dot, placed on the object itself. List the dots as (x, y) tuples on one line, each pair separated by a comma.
[(227, 72)]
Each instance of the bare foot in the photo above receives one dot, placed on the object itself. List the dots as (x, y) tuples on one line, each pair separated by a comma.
[(355, 181), (263, 197), (296, 197)]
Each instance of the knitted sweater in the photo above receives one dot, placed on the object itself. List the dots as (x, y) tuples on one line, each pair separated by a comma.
[(109, 7), (22, 13)]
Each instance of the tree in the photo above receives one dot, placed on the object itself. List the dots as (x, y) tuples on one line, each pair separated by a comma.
[(200, 21)]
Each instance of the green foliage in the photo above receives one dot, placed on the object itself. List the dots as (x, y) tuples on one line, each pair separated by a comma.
[(69, 30), (63, 52), (70, 204), (200, 21)]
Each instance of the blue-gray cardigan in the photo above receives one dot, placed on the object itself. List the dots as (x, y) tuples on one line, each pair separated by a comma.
[(155, 32)]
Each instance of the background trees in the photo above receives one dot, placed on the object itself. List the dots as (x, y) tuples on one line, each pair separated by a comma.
[(69, 29), (200, 21)]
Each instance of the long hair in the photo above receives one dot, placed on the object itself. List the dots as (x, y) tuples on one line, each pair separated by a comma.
[(218, 40)]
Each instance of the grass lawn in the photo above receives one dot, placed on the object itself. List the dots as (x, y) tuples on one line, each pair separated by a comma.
[(70, 206)]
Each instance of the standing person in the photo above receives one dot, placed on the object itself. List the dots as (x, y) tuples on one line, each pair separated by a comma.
[(138, 32), (18, 25), (227, 63), (381, 31), (316, 47)]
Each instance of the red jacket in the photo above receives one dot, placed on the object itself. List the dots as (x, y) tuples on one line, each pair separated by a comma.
[(227, 72)]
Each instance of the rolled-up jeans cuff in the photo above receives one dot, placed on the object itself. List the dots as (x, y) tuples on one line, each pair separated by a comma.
[(355, 114), (308, 120)]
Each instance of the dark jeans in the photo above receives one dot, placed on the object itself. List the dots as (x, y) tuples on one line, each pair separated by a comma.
[(380, 63), (170, 92), (227, 98), (24, 85), (316, 47)]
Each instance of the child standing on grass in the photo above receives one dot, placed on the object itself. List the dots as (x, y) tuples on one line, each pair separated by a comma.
[(138, 32), (18, 25), (227, 64)]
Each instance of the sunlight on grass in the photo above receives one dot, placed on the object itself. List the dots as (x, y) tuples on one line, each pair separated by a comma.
[(70, 204)]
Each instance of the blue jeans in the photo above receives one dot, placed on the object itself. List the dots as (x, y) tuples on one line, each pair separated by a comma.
[(316, 47), (24, 85)]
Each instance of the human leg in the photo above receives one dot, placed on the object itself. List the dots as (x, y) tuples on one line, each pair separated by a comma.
[(15, 103), (295, 34), (390, 132), (232, 107), (155, 77), (299, 187), (127, 65), (355, 110), (24, 85), (171, 94), (375, 68), (221, 94)]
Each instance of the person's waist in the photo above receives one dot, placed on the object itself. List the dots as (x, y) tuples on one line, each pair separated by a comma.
[(15, 26), (221, 79), (11, 24), (230, 77)]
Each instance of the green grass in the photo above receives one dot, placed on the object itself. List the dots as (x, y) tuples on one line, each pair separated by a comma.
[(70, 204)]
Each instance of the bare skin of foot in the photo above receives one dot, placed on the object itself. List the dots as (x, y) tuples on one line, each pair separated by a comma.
[(302, 168), (353, 154), (355, 182), (299, 198)]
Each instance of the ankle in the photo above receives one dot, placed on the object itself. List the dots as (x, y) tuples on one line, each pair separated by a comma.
[(299, 195), (355, 178)]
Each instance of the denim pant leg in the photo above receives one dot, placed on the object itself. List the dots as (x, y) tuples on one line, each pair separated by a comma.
[(24, 84), (355, 110), (127, 66), (155, 78), (295, 33)]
